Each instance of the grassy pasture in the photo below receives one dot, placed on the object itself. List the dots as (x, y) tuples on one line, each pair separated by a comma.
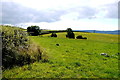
[(73, 58)]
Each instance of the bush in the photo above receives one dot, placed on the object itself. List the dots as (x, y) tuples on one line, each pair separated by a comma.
[(80, 37), (33, 30), (70, 33), (53, 35), (17, 49)]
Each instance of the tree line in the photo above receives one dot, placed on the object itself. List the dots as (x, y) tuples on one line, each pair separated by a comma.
[(35, 31)]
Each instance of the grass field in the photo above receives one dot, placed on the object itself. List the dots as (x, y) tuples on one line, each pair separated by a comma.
[(73, 58)]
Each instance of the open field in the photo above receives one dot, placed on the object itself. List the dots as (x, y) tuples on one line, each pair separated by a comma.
[(72, 58)]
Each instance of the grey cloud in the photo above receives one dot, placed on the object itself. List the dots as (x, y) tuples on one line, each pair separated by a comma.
[(90, 12), (15, 13), (87, 12), (112, 10), (83, 11)]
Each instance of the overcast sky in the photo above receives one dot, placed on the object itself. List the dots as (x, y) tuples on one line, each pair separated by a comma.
[(61, 14)]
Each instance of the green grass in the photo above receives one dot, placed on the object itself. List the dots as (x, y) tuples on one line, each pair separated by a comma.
[(73, 58)]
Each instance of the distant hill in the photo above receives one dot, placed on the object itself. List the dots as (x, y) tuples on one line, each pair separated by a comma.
[(105, 32)]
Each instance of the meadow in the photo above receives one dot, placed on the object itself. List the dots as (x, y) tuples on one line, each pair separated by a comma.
[(72, 58)]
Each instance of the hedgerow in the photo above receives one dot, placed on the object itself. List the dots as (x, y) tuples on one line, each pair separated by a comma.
[(17, 49)]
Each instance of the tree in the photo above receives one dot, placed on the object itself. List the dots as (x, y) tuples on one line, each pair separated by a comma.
[(70, 33), (33, 30)]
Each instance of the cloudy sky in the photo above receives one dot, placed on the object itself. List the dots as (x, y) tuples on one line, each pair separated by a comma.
[(61, 14)]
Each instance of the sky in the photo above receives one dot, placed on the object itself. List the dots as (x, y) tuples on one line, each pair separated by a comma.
[(61, 14)]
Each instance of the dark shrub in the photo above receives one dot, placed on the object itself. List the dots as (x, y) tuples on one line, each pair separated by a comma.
[(70, 33), (66, 36), (80, 37), (33, 30), (53, 35)]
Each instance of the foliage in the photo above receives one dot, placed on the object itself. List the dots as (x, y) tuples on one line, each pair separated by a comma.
[(33, 30), (53, 35), (74, 58), (70, 33), (80, 37), (17, 48)]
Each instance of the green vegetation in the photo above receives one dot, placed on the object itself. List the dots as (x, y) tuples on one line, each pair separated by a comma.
[(33, 30), (73, 58), (70, 33), (17, 49), (53, 35)]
